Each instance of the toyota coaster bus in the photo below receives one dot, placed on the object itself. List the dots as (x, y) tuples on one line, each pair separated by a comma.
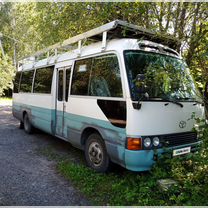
[(125, 97)]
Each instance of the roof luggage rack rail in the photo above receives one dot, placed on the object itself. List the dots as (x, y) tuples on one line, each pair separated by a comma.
[(114, 29)]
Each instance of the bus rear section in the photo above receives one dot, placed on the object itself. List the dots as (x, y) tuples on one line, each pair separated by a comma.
[(33, 98)]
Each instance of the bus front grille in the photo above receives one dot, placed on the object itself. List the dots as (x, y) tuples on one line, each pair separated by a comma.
[(179, 139)]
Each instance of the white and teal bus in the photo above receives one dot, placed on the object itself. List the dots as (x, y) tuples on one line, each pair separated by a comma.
[(122, 100)]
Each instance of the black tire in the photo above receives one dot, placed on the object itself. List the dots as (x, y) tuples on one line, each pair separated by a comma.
[(27, 124), (95, 153), (21, 126)]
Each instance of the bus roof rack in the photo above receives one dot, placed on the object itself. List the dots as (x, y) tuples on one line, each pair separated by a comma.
[(114, 29)]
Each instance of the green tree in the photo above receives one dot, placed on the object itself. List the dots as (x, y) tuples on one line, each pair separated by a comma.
[(6, 73), (37, 25)]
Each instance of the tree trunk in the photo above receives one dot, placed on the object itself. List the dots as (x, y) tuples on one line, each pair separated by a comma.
[(194, 38), (168, 16)]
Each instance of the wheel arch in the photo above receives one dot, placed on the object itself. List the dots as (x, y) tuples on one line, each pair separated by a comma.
[(28, 112), (24, 112), (87, 132)]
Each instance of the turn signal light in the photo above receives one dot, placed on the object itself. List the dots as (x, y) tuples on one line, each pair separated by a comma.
[(134, 143)]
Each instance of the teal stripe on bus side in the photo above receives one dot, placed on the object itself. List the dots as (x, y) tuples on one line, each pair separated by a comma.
[(41, 117), (78, 119), (16, 106), (44, 119)]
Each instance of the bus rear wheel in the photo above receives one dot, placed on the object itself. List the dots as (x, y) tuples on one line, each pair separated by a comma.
[(96, 154), (27, 124)]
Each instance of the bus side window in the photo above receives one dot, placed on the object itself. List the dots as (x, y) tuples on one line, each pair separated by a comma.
[(80, 79), (105, 80), (43, 80), (26, 81), (16, 82), (98, 76), (68, 74), (60, 85)]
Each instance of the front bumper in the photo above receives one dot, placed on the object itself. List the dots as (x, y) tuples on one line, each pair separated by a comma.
[(143, 160)]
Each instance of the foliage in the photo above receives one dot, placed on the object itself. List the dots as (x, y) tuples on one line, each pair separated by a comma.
[(190, 172), (120, 187), (28, 27), (6, 74)]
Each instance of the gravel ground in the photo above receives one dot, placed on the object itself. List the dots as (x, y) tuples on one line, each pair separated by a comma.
[(28, 177)]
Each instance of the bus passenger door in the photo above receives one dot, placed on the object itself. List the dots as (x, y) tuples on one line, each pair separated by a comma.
[(63, 77)]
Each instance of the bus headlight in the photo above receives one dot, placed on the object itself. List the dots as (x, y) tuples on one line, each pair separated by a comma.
[(156, 141), (147, 142)]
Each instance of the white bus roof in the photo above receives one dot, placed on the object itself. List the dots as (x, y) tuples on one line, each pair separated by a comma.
[(118, 45), (114, 30)]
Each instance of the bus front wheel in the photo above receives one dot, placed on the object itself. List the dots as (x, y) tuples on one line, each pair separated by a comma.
[(27, 125), (96, 154)]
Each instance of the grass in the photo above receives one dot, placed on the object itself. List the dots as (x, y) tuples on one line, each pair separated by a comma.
[(137, 189), (50, 154), (5, 99), (118, 187), (122, 187), (108, 189)]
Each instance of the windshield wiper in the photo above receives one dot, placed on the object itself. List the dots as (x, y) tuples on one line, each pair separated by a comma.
[(172, 101), (198, 102), (195, 101)]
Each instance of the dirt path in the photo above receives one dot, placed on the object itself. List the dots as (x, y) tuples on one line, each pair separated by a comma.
[(29, 178)]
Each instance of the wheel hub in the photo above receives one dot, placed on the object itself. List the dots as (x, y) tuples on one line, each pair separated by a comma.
[(95, 153)]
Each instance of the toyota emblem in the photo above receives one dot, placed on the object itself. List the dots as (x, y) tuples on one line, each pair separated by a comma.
[(182, 124)]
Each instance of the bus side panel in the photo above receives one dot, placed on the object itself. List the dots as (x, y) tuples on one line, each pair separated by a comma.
[(43, 119), (83, 113), (38, 108), (16, 110)]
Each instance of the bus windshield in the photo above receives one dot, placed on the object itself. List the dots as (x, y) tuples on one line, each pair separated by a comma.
[(164, 77)]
